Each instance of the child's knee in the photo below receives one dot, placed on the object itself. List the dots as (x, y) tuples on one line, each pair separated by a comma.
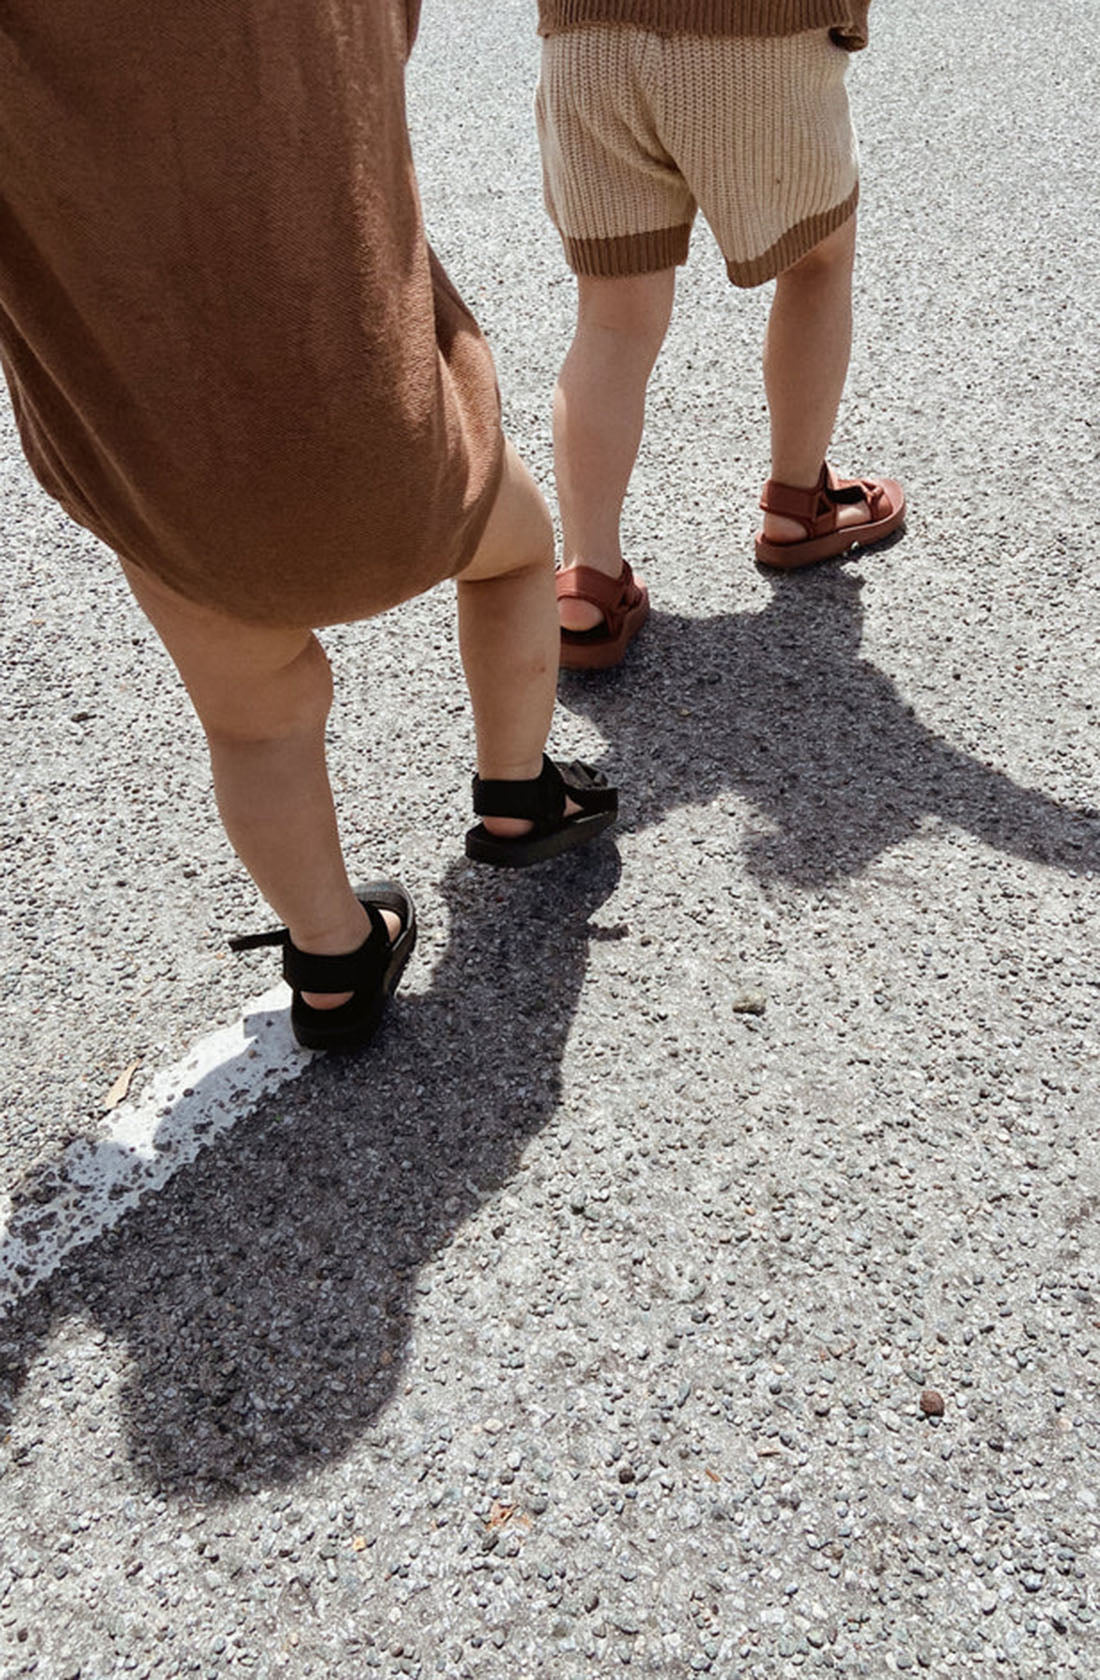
[(252, 708), (520, 533), (638, 306), (541, 539), (832, 255)]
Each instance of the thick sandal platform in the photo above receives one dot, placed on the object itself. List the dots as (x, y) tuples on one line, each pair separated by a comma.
[(371, 973), (541, 801)]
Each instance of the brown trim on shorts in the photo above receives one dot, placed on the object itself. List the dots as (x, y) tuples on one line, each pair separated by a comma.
[(846, 19), (631, 253), (796, 242)]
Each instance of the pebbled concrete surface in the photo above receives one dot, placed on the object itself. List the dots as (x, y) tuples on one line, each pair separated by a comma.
[(584, 1326)]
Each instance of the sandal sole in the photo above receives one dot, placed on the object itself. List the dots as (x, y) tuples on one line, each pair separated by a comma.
[(483, 847)]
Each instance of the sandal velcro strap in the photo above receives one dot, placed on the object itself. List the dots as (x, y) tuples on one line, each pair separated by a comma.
[(540, 800), (846, 491), (254, 941), (612, 597), (796, 501), (875, 496), (350, 971), (815, 507), (585, 786), (310, 971)]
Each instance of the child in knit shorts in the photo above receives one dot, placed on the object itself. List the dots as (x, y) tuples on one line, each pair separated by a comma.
[(648, 111)]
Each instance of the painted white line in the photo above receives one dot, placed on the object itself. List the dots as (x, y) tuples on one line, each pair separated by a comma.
[(219, 1081)]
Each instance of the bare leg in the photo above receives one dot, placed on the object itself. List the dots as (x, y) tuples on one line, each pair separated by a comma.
[(806, 355), (599, 413), (508, 636), (263, 696)]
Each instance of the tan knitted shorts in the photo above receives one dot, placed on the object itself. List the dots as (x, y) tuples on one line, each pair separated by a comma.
[(640, 130)]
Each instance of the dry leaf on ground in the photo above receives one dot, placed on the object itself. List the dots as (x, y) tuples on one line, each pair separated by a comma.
[(119, 1089)]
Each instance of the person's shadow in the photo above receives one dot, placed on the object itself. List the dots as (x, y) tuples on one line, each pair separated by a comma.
[(265, 1294), (779, 707)]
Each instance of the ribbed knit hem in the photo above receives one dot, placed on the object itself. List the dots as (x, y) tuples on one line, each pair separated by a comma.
[(797, 242), (848, 18), (632, 253)]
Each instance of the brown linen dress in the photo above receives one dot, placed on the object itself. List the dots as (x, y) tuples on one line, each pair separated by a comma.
[(231, 353)]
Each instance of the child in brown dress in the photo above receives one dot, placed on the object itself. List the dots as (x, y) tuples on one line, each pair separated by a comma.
[(234, 358)]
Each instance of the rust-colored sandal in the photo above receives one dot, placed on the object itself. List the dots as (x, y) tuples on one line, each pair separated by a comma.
[(816, 511), (625, 608)]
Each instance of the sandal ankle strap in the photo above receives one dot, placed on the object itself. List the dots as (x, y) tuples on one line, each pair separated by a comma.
[(540, 800), (311, 971), (815, 508), (796, 501), (612, 597)]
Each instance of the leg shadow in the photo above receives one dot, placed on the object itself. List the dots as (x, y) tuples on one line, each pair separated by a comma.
[(780, 708), (264, 1295)]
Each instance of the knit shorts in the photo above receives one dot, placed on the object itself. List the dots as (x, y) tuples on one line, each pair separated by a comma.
[(638, 131)]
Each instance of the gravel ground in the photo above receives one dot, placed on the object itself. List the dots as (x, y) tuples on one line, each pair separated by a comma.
[(701, 1275)]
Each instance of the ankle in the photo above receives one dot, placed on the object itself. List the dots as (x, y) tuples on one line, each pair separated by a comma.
[(609, 562), (799, 472), (509, 769), (335, 937)]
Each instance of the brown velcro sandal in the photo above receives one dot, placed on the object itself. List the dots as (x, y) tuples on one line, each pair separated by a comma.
[(625, 608), (816, 511)]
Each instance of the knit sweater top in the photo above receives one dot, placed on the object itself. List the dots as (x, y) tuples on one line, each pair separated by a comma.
[(846, 19)]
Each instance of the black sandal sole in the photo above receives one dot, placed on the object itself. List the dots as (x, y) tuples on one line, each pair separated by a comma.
[(484, 847)]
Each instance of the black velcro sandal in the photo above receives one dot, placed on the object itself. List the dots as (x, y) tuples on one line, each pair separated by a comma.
[(371, 973), (541, 801)]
